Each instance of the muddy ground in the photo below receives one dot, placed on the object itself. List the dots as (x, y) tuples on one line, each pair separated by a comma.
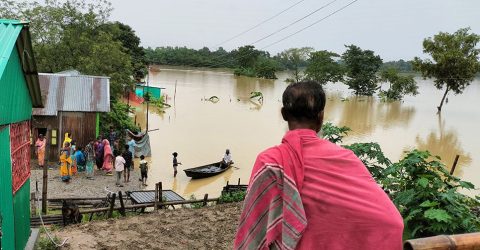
[(211, 227), (79, 185)]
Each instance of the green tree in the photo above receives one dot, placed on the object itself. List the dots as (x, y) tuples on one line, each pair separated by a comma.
[(266, 68), (246, 56), (455, 60), (361, 67), (131, 44), (293, 59), (323, 68), (399, 85)]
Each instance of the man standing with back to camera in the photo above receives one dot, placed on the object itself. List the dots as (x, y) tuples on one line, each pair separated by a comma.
[(308, 193)]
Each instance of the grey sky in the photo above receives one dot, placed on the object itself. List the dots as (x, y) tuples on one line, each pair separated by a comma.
[(394, 29)]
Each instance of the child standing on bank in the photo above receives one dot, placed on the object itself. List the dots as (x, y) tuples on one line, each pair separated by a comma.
[(175, 164), (143, 170), (119, 168)]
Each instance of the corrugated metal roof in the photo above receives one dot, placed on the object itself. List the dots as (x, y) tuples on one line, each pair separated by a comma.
[(17, 33), (74, 93)]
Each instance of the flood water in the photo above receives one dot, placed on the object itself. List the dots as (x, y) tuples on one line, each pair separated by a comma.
[(200, 131)]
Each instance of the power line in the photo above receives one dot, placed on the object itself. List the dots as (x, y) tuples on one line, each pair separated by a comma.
[(329, 15), (284, 38), (256, 26), (296, 21)]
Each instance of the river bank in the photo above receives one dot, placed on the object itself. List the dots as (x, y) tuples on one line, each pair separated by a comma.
[(211, 227)]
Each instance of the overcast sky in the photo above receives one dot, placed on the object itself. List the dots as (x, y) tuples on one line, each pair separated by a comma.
[(394, 29)]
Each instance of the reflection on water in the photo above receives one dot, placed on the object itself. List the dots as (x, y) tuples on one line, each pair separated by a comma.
[(445, 144), (200, 131), (364, 114)]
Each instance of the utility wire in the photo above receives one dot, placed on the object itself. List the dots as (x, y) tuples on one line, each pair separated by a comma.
[(295, 22), (259, 24), (329, 15), (286, 37)]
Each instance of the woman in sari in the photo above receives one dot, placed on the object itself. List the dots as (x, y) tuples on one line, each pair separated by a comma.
[(65, 162), (98, 147), (40, 145), (67, 139), (107, 157)]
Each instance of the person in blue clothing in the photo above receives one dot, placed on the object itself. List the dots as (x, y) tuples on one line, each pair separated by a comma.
[(80, 159), (131, 146)]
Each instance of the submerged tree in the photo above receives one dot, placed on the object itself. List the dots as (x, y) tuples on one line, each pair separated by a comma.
[(399, 85), (361, 68), (455, 60), (294, 59), (323, 68)]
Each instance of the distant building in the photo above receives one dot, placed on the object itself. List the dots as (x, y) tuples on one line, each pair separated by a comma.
[(20, 92), (73, 103)]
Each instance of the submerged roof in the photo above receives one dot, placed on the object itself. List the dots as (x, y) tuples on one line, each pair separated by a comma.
[(17, 33), (78, 93)]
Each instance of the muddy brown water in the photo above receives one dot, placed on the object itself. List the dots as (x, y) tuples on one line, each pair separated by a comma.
[(200, 130)]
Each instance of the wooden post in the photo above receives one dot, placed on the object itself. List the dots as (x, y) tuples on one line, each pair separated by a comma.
[(33, 205), (205, 198), (122, 206), (175, 94), (452, 170), (239, 181), (45, 175), (112, 204), (156, 197)]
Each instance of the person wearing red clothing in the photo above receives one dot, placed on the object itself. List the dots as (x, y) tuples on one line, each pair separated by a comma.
[(308, 193)]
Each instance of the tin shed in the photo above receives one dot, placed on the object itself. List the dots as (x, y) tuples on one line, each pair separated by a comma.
[(20, 92), (72, 105)]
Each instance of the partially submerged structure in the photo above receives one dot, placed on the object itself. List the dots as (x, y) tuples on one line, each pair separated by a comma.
[(20, 92), (73, 103)]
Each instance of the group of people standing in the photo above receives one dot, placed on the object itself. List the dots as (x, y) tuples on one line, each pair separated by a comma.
[(99, 152)]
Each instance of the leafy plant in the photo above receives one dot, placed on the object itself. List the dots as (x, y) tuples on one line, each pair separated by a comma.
[(44, 243), (232, 197), (427, 196), (372, 157), (258, 95), (117, 117), (333, 133), (196, 204)]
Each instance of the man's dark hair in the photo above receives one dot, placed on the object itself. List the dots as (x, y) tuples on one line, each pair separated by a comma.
[(303, 101), (142, 157), (127, 147)]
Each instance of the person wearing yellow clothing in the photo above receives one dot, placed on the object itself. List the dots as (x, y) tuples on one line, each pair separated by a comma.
[(65, 163), (67, 139)]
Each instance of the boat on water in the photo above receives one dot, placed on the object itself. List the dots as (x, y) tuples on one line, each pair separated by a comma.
[(205, 171)]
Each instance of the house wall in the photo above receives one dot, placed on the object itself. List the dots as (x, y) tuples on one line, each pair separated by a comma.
[(48, 122), (6, 197), (15, 107), (82, 126), (15, 102)]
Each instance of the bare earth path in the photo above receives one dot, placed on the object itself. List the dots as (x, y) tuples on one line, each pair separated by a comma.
[(204, 228)]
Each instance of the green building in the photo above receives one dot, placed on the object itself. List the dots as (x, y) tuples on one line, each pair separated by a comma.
[(19, 92)]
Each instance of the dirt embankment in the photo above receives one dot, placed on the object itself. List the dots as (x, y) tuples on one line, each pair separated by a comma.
[(211, 227)]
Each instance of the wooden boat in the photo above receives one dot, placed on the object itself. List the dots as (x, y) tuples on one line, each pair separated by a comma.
[(206, 170)]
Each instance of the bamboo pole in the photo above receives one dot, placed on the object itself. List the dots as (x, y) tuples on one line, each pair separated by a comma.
[(452, 170), (168, 203), (445, 242)]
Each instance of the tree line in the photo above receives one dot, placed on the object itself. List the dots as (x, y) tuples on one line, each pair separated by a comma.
[(77, 34)]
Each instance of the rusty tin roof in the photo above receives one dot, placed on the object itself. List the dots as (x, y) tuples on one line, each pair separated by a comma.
[(81, 93)]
